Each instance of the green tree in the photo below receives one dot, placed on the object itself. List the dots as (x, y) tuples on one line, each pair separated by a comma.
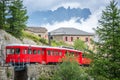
[(79, 45), (3, 14), (106, 63), (70, 70), (18, 18)]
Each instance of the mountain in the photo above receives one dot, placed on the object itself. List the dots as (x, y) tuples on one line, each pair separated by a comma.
[(58, 15)]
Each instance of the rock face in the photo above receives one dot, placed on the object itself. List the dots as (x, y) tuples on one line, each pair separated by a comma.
[(28, 41), (6, 38)]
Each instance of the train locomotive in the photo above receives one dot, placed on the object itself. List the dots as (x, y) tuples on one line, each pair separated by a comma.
[(23, 54)]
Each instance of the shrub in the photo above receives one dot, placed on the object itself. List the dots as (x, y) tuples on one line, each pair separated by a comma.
[(70, 70)]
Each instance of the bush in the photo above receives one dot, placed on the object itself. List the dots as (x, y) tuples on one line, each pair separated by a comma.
[(44, 41), (70, 70)]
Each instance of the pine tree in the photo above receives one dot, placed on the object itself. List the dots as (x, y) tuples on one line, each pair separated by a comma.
[(18, 18), (3, 9), (106, 63)]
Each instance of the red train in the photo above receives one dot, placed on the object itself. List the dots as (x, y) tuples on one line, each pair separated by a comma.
[(21, 54)]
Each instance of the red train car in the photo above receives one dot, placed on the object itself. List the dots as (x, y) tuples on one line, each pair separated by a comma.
[(22, 54)]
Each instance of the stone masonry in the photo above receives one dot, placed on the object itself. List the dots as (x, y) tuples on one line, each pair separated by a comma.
[(6, 73), (34, 72)]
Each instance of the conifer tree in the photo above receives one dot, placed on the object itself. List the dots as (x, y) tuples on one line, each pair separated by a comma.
[(3, 8), (106, 63), (18, 18)]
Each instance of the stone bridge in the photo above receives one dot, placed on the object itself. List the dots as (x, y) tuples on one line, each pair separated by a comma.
[(32, 72)]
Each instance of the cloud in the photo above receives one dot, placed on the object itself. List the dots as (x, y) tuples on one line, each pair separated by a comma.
[(66, 5), (86, 25), (40, 5)]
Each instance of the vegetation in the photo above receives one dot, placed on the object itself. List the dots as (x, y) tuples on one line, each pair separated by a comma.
[(106, 65), (34, 37), (70, 70), (13, 16), (31, 36), (3, 13), (59, 43), (43, 77), (8, 74), (17, 19), (44, 41), (80, 45)]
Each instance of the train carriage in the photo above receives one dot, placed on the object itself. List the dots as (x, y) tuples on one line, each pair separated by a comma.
[(22, 54)]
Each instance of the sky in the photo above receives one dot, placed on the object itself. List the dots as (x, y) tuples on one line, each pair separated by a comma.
[(95, 6)]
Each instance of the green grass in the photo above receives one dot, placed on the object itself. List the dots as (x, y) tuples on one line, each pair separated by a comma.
[(31, 36), (59, 43)]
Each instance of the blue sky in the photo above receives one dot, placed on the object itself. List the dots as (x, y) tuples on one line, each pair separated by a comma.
[(95, 6)]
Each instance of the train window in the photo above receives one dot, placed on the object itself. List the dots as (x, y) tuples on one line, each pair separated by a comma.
[(67, 52), (57, 53), (39, 51), (48, 52), (60, 53), (12, 51), (17, 51), (76, 54), (34, 51), (29, 51), (72, 53), (8, 51), (52, 53), (24, 51)]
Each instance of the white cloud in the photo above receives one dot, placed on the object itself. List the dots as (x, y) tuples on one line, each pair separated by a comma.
[(86, 25), (39, 5), (66, 5), (91, 22)]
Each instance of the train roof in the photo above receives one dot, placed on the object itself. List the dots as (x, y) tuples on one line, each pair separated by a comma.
[(42, 46)]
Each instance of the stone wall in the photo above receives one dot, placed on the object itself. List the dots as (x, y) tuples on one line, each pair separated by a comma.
[(6, 73), (32, 72), (35, 72)]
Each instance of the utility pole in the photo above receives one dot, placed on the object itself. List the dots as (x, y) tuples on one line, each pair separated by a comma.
[(49, 38)]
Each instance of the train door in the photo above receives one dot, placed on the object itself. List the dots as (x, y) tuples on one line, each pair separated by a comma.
[(33, 55), (44, 54), (25, 55), (17, 54)]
